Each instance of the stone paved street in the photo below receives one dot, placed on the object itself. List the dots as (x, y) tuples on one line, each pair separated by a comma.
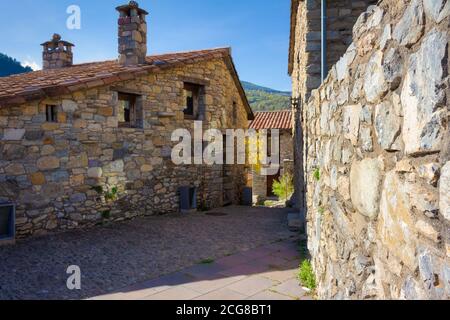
[(250, 251), (268, 272)]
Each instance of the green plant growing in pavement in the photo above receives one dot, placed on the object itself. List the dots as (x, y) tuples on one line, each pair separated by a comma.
[(316, 174), (207, 261), (306, 275), (284, 188)]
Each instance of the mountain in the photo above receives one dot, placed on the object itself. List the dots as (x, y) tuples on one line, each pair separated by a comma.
[(266, 99), (9, 66)]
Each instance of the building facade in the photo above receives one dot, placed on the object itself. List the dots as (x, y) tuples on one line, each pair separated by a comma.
[(282, 121), (84, 144)]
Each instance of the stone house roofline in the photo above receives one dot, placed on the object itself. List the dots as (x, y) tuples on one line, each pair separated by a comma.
[(272, 120), (42, 84)]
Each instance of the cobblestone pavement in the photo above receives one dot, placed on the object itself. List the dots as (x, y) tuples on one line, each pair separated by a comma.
[(121, 255), (268, 272)]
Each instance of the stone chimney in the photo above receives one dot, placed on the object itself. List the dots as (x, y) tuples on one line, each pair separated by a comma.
[(132, 34), (57, 53)]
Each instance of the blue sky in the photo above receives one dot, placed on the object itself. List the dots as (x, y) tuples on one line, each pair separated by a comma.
[(258, 31)]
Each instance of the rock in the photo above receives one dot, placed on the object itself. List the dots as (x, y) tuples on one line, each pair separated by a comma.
[(120, 154), (393, 68), (117, 166), (78, 197), (428, 231), (396, 227), (146, 168), (422, 98), (69, 106), (37, 179), (386, 36), (366, 139), (412, 290), (47, 150), (15, 169), (343, 64), (95, 173), (387, 125), (430, 172), (444, 192), (437, 10), (78, 161), (411, 26), (375, 85), (34, 135), (365, 182), (404, 166), (344, 187), (48, 163), (13, 152), (13, 134), (351, 117)]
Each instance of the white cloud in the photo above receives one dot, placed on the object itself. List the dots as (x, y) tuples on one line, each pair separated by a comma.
[(32, 64)]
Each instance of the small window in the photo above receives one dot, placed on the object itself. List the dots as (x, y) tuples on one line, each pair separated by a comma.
[(127, 110), (191, 96), (51, 112)]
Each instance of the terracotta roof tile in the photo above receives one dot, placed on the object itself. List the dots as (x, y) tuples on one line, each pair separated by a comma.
[(18, 89), (272, 120)]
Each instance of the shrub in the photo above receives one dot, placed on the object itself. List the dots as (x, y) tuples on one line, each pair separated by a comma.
[(284, 188), (306, 275)]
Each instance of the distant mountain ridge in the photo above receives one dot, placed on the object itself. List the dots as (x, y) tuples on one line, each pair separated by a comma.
[(266, 99), (10, 66)]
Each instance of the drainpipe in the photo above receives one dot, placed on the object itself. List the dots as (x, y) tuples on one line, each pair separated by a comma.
[(324, 70)]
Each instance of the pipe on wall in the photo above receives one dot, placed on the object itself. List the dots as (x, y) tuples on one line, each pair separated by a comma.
[(324, 68)]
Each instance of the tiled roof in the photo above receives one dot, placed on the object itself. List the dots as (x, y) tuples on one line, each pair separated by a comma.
[(272, 120), (19, 89)]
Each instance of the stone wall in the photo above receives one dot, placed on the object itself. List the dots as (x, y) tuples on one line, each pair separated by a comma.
[(377, 151), (84, 169)]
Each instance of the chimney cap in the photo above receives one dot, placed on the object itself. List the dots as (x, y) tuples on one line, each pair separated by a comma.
[(56, 38), (131, 5)]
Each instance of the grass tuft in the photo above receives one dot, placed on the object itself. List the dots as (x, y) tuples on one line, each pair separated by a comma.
[(306, 275)]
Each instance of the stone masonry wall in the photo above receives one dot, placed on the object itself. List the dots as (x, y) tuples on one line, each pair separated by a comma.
[(65, 175), (377, 150)]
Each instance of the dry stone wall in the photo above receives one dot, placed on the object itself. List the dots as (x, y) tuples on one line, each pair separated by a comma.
[(85, 169), (377, 151)]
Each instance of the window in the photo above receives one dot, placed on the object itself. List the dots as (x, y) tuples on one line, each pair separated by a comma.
[(127, 110), (51, 112), (191, 96)]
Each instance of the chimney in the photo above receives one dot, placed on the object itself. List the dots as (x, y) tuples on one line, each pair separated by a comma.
[(132, 34), (57, 53)]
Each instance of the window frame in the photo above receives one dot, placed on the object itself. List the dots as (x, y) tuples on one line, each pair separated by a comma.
[(51, 113), (132, 99), (196, 93)]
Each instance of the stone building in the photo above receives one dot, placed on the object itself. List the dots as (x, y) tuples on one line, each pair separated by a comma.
[(88, 143), (374, 150), (281, 120)]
